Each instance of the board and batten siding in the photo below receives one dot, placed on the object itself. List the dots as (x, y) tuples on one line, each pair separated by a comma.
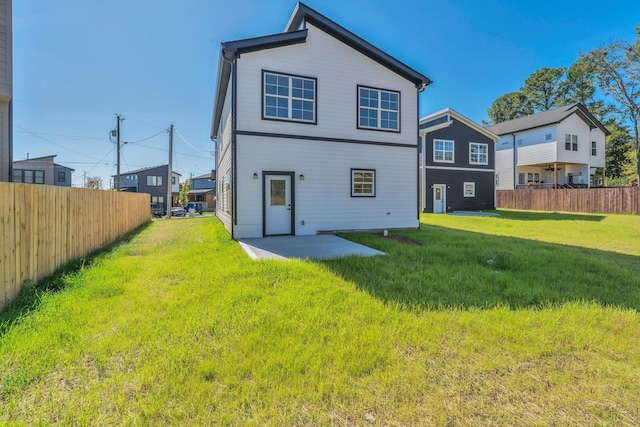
[(339, 69), (323, 199)]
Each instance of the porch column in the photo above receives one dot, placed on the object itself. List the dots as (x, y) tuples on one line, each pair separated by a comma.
[(555, 175)]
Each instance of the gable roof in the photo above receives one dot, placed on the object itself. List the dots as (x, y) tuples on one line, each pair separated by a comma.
[(295, 34), (546, 118), (133, 172), (443, 118)]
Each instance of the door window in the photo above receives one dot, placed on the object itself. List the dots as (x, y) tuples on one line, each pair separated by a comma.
[(278, 192)]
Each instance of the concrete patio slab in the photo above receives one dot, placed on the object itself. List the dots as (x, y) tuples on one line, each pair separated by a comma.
[(322, 246)]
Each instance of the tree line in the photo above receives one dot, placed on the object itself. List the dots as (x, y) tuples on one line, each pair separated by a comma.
[(607, 81)]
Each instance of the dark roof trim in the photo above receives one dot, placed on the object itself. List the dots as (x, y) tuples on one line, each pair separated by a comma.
[(134, 172), (64, 167), (230, 50), (304, 13), (546, 118)]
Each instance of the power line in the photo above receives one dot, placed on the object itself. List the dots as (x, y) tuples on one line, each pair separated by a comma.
[(75, 137), (51, 142), (187, 142), (149, 137)]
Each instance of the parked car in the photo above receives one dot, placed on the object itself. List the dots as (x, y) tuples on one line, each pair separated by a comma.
[(157, 210), (177, 211), (196, 206)]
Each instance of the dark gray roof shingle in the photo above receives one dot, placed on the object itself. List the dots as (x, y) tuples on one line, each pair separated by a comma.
[(546, 118)]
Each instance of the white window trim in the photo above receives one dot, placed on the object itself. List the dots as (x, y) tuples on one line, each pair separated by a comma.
[(464, 189), (290, 98), (373, 184), (486, 146), (379, 110), (453, 151)]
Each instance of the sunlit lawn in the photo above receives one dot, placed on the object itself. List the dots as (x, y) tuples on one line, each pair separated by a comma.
[(525, 319)]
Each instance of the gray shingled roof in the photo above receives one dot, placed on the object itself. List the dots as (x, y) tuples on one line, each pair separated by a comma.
[(547, 118)]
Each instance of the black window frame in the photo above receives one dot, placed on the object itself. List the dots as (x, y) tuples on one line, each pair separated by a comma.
[(63, 175), (379, 109), (374, 184), (290, 97)]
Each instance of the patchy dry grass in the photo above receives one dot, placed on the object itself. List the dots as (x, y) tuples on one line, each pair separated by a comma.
[(179, 326)]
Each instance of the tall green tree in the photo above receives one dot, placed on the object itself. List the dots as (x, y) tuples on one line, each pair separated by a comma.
[(185, 187), (619, 146), (508, 107), (544, 89), (617, 69)]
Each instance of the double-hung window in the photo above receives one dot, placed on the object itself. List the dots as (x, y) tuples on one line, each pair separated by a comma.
[(363, 183), (289, 97), (443, 150), (378, 109), (594, 149), (478, 154), (154, 180), (570, 142)]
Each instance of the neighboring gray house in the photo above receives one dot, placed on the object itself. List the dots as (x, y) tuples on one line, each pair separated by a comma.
[(153, 181), (42, 170), (203, 189), (316, 131), (6, 91), (457, 164)]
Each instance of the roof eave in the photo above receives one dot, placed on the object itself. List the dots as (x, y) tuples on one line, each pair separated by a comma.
[(304, 13), (229, 51)]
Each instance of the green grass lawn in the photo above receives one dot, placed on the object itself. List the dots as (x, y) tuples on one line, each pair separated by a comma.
[(526, 319)]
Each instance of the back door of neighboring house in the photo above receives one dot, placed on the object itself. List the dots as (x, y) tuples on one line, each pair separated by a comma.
[(439, 198)]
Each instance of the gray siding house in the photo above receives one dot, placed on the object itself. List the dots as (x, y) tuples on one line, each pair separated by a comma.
[(203, 189), (457, 164), (42, 170), (153, 181)]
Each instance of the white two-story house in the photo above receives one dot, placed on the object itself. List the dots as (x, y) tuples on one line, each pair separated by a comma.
[(316, 130), (563, 147)]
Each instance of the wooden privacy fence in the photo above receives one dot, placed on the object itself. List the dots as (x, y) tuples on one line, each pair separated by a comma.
[(588, 200), (43, 227)]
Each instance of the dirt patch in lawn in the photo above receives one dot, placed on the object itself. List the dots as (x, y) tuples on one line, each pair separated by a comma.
[(404, 240)]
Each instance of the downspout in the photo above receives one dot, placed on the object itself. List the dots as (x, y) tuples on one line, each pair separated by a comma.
[(515, 162), (420, 89)]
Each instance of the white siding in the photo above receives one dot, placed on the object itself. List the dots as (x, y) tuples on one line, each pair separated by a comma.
[(224, 162), (323, 199), (504, 168), (573, 125), (338, 69), (536, 154)]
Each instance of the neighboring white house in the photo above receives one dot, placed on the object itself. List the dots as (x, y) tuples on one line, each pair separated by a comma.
[(6, 91), (563, 147), (316, 130)]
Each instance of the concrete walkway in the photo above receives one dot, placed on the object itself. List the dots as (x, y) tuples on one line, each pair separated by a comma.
[(323, 246)]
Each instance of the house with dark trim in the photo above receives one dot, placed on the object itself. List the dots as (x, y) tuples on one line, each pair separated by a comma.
[(559, 148), (457, 164), (316, 131), (42, 170), (153, 181), (203, 190)]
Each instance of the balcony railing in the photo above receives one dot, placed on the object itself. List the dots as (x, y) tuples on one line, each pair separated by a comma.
[(545, 186)]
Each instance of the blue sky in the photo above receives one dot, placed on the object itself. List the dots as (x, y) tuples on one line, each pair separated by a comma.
[(77, 63)]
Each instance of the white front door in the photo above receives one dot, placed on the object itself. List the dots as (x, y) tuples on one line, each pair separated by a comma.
[(439, 198), (277, 205)]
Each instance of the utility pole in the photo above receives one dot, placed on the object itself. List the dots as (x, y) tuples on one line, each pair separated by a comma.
[(116, 131), (170, 172)]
